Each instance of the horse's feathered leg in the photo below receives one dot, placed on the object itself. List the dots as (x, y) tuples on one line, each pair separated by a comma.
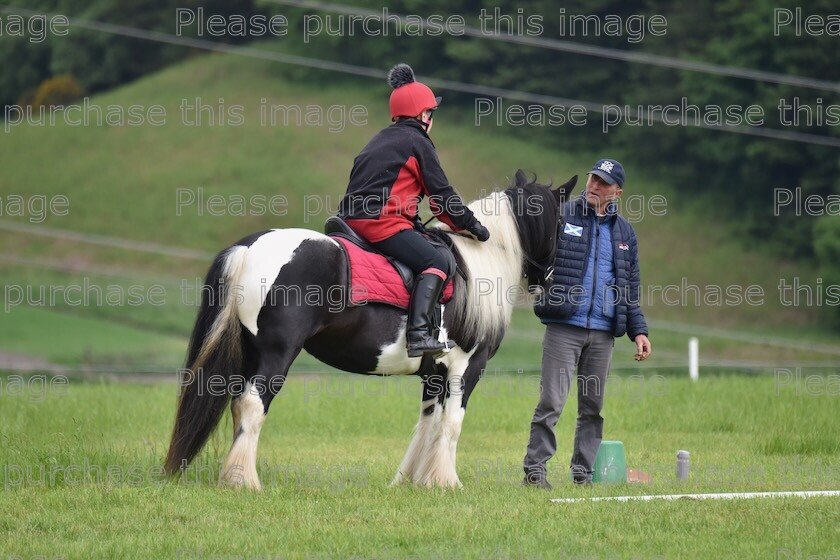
[(433, 391), (249, 410), (455, 410), (437, 466), (240, 468), (434, 459)]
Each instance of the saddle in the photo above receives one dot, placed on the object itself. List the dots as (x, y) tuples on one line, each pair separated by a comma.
[(370, 270)]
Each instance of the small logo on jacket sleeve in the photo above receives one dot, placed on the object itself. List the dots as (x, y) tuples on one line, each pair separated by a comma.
[(571, 229), (624, 246)]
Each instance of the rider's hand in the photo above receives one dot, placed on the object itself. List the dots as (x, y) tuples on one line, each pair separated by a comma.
[(479, 231)]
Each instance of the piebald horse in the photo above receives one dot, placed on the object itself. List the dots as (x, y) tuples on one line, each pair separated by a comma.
[(252, 324)]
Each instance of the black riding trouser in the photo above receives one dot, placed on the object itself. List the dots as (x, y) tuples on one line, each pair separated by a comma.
[(412, 248)]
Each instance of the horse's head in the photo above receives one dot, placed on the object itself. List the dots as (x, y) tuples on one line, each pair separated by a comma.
[(536, 208)]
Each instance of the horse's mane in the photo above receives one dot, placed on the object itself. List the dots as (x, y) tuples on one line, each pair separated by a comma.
[(482, 305)]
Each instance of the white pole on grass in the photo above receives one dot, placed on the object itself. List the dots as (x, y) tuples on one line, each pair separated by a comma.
[(732, 496), (694, 358)]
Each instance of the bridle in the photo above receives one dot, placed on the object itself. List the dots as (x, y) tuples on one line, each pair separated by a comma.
[(542, 267)]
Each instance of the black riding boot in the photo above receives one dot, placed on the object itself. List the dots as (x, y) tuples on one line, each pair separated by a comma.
[(421, 308)]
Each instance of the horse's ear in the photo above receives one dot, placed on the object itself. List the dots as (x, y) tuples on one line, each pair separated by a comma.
[(521, 179), (561, 193)]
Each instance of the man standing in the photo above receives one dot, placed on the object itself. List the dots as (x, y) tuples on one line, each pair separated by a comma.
[(592, 298)]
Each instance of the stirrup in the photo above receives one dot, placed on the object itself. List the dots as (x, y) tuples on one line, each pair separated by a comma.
[(419, 350)]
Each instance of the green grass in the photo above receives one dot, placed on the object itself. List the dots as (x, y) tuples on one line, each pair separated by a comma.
[(68, 339), (326, 475)]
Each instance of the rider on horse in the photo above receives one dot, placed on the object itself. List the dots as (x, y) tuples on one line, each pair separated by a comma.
[(390, 177)]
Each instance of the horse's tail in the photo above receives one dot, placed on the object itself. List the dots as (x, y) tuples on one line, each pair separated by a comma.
[(215, 353)]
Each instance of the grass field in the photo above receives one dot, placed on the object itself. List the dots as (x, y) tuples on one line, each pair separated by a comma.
[(80, 463), (81, 475)]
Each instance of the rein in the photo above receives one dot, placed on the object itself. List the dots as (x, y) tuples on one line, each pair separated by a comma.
[(445, 239), (544, 265)]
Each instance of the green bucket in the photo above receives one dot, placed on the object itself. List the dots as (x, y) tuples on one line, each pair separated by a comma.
[(610, 463)]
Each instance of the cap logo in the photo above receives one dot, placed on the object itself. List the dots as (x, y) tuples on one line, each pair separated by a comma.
[(606, 166)]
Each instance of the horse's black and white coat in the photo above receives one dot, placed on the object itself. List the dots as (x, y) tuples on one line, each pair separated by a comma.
[(274, 292)]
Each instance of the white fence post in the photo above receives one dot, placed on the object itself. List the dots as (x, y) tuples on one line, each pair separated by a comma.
[(694, 358)]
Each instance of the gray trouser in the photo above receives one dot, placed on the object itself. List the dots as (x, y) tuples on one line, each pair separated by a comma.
[(566, 347)]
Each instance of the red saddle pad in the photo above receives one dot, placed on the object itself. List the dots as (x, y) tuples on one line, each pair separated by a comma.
[(374, 279)]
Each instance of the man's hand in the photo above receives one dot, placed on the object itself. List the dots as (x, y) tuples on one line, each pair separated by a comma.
[(479, 231), (642, 348)]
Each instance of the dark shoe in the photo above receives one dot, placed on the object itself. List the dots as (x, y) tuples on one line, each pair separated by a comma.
[(418, 334), (580, 477), (537, 481)]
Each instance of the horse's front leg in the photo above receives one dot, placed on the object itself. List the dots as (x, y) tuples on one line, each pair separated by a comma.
[(455, 405), (440, 428), (423, 438)]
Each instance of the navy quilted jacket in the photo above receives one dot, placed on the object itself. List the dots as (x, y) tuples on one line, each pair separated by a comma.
[(566, 300)]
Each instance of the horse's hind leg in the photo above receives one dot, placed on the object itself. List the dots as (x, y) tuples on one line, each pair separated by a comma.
[(248, 410), (279, 319), (240, 467)]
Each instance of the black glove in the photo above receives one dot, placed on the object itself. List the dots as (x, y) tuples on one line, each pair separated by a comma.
[(479, 231)]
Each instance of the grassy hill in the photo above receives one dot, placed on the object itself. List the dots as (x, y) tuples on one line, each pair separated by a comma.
[(124, 182)]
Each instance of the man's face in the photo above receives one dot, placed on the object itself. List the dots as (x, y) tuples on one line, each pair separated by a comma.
[(599, 193)]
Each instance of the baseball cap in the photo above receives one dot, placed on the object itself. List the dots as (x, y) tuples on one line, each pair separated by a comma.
[(610, 171)]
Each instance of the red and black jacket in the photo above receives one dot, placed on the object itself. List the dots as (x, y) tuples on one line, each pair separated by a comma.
[(390, 177)]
